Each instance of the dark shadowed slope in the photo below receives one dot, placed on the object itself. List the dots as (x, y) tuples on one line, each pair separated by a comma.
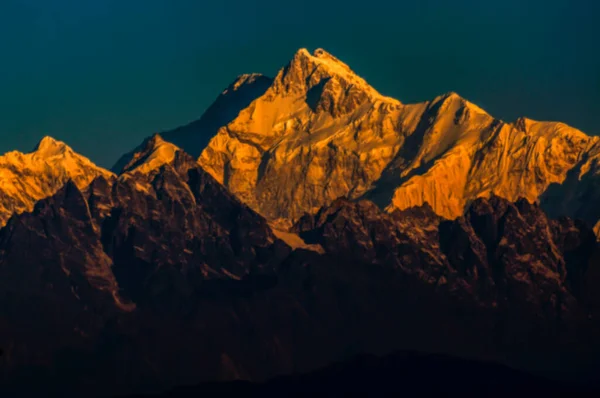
[(163, 278), (194, 137), (406, 373)]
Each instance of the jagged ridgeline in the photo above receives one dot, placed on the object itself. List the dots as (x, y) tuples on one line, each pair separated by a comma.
[(289, 145), (301, 220), (26, 178), (317, 131)]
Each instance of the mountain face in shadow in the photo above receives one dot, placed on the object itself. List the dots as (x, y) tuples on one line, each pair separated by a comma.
[(195, 136), (84, 259), (161, 278), (575, 196)]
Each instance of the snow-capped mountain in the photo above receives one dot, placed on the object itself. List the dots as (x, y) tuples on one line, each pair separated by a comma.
[(26, 178), (149, 156), (300, 145), (319, 131)]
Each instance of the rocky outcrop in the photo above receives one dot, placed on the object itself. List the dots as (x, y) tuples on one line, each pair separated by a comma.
[(173, 219), (499, 253), (519, 271), (57, 289)]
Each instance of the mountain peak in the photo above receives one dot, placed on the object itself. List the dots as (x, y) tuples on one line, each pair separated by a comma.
[(454, 100), (319, 53), (302, 52), (323, 59), (153, 153), (48, 147), (28, 177), (450, 96), (313, 72), (324, 55), (155, 140)]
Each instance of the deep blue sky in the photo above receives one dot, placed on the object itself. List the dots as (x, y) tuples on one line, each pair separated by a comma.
[(103, 74)]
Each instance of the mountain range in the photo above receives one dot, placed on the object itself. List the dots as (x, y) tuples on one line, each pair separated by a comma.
[(326, 133), (289, 145), (301, 220)]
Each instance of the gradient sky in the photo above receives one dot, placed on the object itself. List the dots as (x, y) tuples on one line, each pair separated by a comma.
[(103, 74)]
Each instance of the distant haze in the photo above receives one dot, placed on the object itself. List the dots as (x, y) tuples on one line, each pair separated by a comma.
[(104, 74)]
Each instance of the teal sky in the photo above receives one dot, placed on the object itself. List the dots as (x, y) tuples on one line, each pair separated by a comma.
[(103, 74)]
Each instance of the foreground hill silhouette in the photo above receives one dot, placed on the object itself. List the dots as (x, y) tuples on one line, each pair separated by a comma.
[(406, 373)]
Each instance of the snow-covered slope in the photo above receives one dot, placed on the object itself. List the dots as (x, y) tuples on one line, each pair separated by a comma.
[(26, 178), (149, 156), (194, 136), (140, 166), (320, 132), (489, 157)]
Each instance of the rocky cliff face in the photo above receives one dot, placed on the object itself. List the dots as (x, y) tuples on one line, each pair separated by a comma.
[(165, 213), (498, 252), (26, 178), (121, 250), (317, 131)]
